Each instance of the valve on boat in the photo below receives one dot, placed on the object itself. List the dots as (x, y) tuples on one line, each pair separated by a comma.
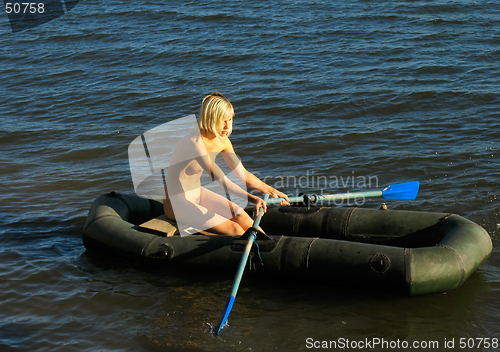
[(380, 263), (383, 206)]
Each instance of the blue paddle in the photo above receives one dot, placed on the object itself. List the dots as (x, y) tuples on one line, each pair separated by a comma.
[(398, 191), (237, 279)]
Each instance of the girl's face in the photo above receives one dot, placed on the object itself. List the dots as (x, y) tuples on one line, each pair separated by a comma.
[(225, 126)]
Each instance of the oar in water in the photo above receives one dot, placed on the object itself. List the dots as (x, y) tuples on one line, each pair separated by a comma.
[(237, 279), (398, 191)]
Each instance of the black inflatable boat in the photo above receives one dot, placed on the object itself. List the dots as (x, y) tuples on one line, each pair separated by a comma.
[(408, 252)]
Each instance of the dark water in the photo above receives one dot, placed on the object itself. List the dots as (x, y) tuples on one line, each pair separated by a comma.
[(392, 90)]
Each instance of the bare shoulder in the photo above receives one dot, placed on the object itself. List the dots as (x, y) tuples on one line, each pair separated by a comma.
[(227, 145), (196, 141)]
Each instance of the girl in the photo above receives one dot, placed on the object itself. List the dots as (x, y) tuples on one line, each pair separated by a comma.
[(193, 205)]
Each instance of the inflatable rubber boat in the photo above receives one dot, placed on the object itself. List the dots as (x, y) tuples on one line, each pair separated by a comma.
[(407, 252)]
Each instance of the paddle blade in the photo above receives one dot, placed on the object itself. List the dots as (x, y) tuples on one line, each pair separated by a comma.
[(227, 310), (401, 191)]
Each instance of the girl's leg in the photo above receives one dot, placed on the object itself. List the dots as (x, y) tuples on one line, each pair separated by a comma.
[(221, 205), (199, 217), (215, 213), (202, 218)]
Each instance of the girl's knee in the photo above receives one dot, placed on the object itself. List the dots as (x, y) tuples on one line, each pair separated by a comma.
[(234, 229), (243, 219)]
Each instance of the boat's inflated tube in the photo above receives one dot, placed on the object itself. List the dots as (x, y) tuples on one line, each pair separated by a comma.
[(399, 251)]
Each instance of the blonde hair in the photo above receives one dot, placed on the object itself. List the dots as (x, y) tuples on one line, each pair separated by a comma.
[(215, 108)]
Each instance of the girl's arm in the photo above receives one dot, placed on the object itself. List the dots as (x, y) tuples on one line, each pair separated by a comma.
[(247, 177)]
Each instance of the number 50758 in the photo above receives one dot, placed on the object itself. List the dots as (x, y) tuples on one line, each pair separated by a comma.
[(24, 7)]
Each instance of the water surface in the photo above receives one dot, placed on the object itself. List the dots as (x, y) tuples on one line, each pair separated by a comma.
[(399, 90)]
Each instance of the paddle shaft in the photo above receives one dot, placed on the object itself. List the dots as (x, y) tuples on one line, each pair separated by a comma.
[(329, 197), (241, 267), (402, 191), (398, 191)]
